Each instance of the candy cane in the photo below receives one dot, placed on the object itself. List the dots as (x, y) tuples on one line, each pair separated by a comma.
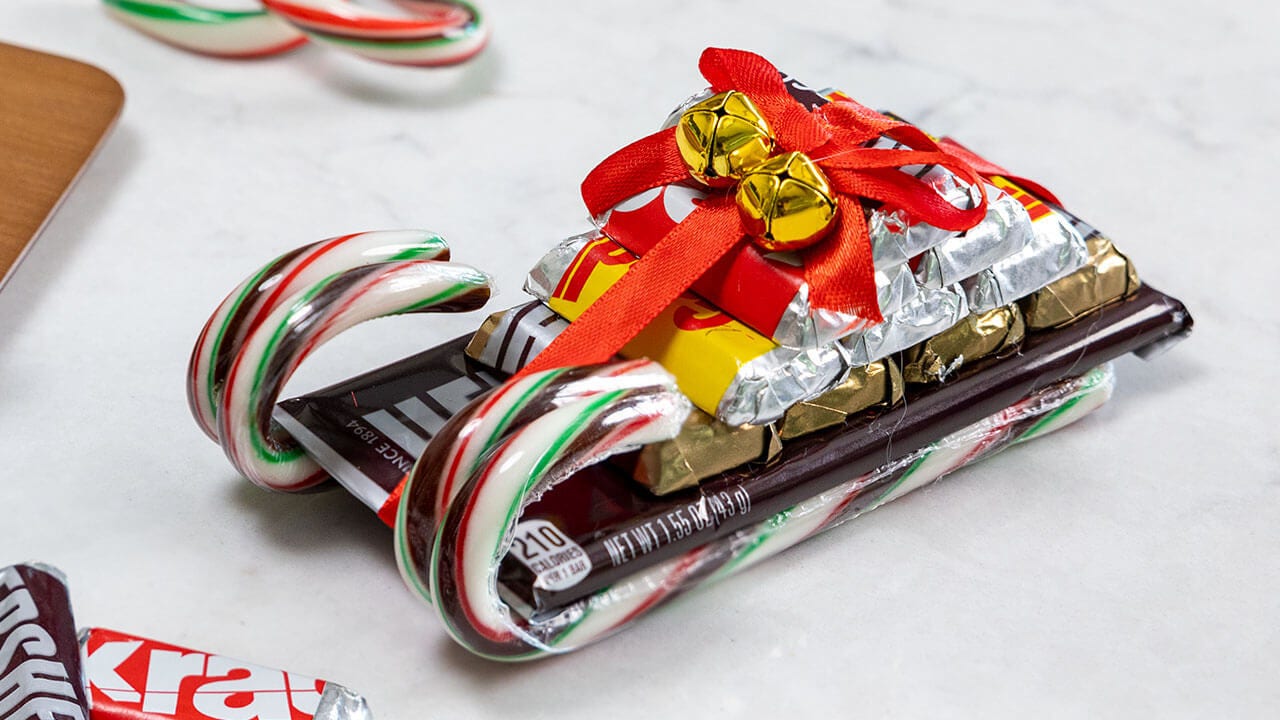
[(441, 32), (478, 524), (208, 30), (273, 350), (266, 290)]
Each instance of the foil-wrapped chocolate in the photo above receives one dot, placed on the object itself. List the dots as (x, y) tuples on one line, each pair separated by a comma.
[(721, 364), (40, 674), (778, 304), (705, 447), (994, 333), (1054, 249), (1106, 277), (877, 385), (1004, 230), (932, 311)]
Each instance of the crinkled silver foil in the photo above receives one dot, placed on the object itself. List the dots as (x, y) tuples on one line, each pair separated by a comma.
[(769, 384), (802, 326), (521, 333), (339, 703), (1004, 230), (932, 311), (1055, 249), (546, 274)]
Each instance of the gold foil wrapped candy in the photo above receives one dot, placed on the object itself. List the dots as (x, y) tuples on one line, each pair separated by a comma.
[(1108, 276), (870, 386), (992, 333), (786, 202), (704, 447), (722, 137)]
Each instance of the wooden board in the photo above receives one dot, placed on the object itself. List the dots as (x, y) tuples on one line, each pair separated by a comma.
[(54, 113)]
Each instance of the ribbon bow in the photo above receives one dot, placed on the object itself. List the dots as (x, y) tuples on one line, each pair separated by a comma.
[(838, 269)]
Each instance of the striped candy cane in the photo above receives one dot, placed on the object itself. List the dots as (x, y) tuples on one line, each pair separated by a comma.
[(266, 290), (441, 32), (208, 30), (477, 525), (258, 336)]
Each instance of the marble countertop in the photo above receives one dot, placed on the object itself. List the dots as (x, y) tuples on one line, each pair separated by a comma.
[(1127, 566)]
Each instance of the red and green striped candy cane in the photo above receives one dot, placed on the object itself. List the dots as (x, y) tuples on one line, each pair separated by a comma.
[(438, 32), (273, 347), (271, 285), (475, 531), (248, 33)]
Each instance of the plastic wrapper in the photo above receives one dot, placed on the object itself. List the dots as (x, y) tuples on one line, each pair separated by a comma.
[(994, 333), (1107, 276), (40, 672), (134, 678)]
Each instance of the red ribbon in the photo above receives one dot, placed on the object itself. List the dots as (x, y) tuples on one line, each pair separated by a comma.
[(838, 269)]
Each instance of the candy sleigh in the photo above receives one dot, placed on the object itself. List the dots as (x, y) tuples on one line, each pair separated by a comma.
[(926, 309)]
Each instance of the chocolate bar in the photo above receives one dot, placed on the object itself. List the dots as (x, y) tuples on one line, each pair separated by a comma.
[(135, 678), (40, 675)]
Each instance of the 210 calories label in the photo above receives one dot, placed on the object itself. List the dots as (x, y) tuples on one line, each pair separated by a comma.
[(557, 561)]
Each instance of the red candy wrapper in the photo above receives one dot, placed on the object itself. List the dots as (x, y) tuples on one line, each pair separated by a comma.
[(133, 678)]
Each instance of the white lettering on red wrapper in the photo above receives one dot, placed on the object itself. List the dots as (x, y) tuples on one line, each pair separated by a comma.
[(180, 683)]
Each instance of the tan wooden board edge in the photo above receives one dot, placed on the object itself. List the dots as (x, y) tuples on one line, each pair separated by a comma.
[(54, 114)]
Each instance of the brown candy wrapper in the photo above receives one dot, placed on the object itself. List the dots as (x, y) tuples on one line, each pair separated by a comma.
[(993, 333), (870, 386), (1107, 277), (704, 448)]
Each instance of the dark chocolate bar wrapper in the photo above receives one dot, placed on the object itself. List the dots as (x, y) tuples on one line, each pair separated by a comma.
[(620, 527), (135, 678), (368, 431), (40, 674)]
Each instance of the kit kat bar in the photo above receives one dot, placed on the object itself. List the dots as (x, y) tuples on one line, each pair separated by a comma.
[(621, 529)]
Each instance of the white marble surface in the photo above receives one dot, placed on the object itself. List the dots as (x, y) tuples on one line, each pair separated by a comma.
[(1128, 566)]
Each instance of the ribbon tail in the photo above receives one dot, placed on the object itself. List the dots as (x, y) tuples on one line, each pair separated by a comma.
[(651, 284), (646, 163), (840, 271), (985, 167)]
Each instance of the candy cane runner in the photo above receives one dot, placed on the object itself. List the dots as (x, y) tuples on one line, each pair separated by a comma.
[(478, 523), (439, 32), (248, 33), (274, 346), (264, 291)]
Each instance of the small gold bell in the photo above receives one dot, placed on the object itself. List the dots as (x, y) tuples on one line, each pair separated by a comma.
[(786, 202), (722, 137)]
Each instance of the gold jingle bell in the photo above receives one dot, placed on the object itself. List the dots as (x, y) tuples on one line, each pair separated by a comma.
[(722, 137), (786, 202)]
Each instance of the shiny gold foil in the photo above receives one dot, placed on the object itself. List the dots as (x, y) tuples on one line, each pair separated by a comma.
[(704, 447), (483, 333), (870, 386), (993, 333), (722, 137), (1107, 277), (786, 202)]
